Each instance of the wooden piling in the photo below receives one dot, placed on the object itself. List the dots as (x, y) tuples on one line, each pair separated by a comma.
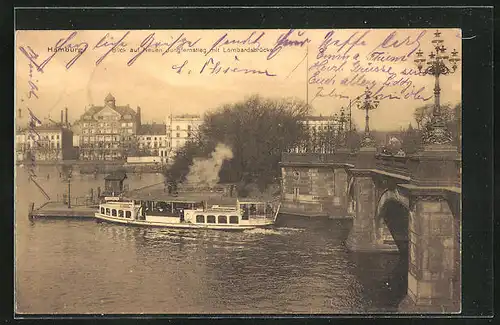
[(31, 208)]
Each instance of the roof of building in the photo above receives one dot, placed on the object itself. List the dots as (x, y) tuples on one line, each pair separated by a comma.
[(44, 128), (122, 110), (116, 176), (191, 116), (318, 118), (153, 129), (109, 97)]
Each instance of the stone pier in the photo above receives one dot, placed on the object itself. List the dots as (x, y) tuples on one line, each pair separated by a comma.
[(409, 205), (367, 232), (314, 184), (418, 199)]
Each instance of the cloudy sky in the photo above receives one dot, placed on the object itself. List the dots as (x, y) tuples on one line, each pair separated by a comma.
[(274, 64)]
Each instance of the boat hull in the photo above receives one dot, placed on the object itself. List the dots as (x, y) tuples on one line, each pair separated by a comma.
[(145, 223)]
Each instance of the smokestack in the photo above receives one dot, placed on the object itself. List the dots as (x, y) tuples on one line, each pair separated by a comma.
[(62, 117), (66, 119), (138, 116)]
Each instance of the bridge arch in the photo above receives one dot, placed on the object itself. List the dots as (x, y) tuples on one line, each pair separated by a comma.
[(392, 194), (392, 219), (351, 200)]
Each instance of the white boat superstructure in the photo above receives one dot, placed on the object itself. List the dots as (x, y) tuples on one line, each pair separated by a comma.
[(180, 213)]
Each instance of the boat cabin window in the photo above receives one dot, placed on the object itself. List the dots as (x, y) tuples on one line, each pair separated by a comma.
[(269, 210), (233, 219), (168, 207), (181, 206), (107, 211), (120, 213), (252, 209), (200, 218), (222, 219), (245, 213), (210, 219), (113, 213), (102, 210), (162, 207), (128, 214)]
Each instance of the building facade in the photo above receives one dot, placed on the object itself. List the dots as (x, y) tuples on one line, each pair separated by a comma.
[(312, 184), (153, 140), (321, 133), (182, 128), (49, 142), (108, 132)]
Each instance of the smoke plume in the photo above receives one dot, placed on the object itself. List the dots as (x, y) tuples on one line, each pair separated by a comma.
[(204, 173)]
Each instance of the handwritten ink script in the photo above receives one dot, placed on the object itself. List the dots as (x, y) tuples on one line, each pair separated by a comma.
[(338, 64), (352, 61), (34, 138), (28, 98)]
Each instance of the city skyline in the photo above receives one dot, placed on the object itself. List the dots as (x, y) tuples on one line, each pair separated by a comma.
[(153, 81)]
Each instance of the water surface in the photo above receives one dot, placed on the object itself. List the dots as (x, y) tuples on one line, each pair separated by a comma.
[(300, 266)]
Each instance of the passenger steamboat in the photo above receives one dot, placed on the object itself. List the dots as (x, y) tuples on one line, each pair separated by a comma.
[(189, 213)]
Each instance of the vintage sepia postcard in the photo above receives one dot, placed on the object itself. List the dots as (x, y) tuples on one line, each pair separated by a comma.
[(267, 171)]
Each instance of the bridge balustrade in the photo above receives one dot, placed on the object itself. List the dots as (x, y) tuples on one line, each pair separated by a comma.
[(340, 157), (393, 164)]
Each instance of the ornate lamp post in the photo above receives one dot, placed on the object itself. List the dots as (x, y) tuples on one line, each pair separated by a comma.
[(67, 172), (368, 104), (342, 129), (335, 132), (436, 132)]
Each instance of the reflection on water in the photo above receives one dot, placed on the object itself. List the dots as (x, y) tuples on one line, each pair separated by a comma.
[(299, 266)]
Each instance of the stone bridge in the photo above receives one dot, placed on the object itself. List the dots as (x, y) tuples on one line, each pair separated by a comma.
[(410, 205)]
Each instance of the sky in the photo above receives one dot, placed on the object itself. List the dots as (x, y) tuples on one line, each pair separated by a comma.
[(305, 64)]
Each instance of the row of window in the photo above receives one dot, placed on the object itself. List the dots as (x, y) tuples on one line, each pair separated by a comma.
[(86, 154), (149, 138), (124, 124), (105, 138), (220, 219), (178, 135), (114, 213), (37, 137), (114, 131), (155, 145), (47, 145), (107, 117), (178, 128), (106, 157)]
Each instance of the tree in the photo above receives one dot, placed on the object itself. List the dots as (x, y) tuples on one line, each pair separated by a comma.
[(452, 115), (423, 114), (257, 130), (411, 140), (353, 138)]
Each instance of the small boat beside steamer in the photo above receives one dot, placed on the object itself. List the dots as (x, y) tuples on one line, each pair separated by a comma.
[(189, 213)]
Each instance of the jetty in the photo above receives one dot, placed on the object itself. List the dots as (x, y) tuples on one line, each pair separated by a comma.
[(61, 210), (83, 207)]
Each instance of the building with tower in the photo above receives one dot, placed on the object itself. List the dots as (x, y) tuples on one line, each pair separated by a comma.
[(108, 132)]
